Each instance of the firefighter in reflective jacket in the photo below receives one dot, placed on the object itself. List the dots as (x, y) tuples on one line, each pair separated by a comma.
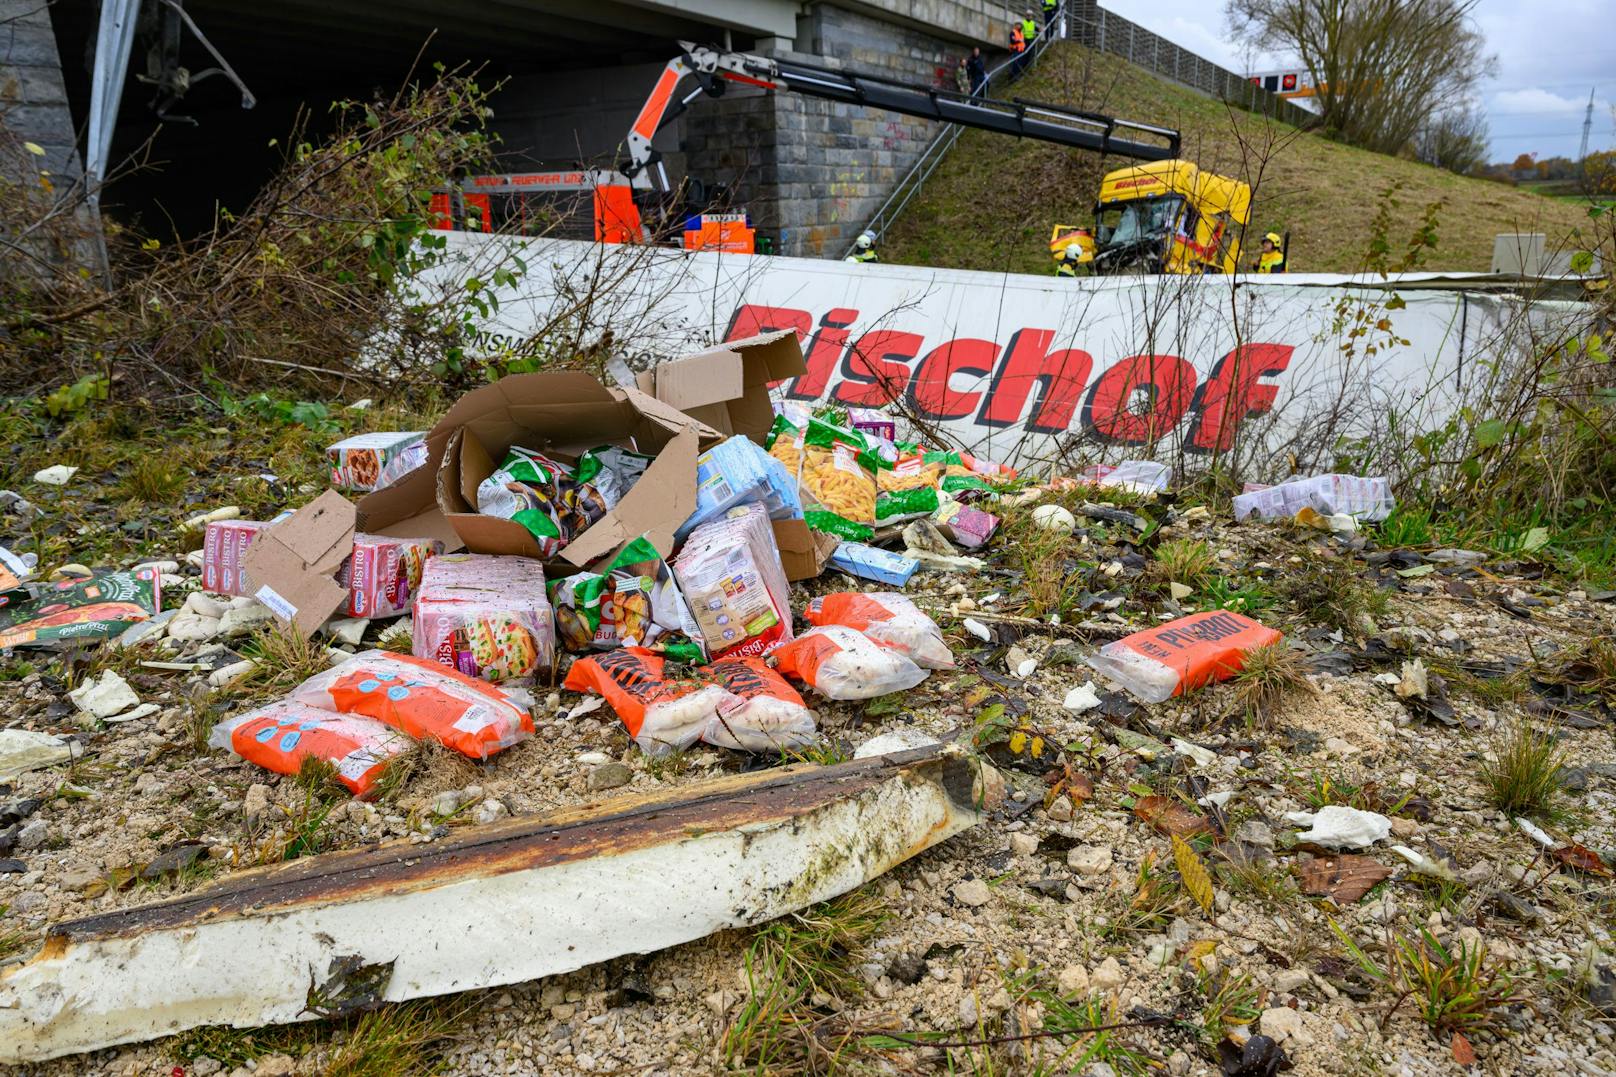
[(1272, 258), (1067, 266), (863, 248)]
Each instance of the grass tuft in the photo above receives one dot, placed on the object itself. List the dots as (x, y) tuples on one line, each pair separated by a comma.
[(1186, 561), (1453, 991), (285, 659), (154, 478), (398, 1041), (1522, 781), (790, 964), (1268, 676), (1336, 597)]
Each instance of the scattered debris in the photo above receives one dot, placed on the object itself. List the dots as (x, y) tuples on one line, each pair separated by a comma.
[(1343, 879), (1335, 826)]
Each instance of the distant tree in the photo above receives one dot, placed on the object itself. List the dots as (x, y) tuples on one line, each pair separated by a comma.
[(1455, 140), (1382, 68), (1599, 172), (1524, 163)]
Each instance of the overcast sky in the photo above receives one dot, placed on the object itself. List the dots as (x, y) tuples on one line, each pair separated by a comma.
[(1550, 54)]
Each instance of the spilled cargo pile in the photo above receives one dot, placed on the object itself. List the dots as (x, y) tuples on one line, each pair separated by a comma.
[(613, 669)]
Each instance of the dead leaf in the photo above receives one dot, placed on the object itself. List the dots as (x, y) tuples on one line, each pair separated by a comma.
[(1463, 1053), (1193, 872), (1581, 858), (1344, 879), (1170, 817)]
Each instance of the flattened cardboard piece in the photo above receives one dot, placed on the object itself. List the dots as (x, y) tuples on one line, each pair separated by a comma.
[(727, 387), (301, 556), (804, 552)]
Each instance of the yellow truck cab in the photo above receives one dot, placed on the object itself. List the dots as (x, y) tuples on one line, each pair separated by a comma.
[(1168, 217)]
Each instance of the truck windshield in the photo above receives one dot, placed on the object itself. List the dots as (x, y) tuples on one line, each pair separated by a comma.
[(1119, 226)]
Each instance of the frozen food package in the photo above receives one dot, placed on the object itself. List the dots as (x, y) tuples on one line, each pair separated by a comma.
[(736, 471), (888, 619), (612, 471), (1366, 499), (631, 601), (663, 714), (90, 608), (964, 525), (544, 496), (836, 475), (384, 574), (874, 563), (768, 715), (372, 461), (224, 556), (485, 616), (736, 587), (280, 736), (422, 699), (840, 663), (1183, 654)]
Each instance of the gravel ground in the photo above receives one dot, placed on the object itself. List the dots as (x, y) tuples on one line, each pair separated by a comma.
[(1083, 899)]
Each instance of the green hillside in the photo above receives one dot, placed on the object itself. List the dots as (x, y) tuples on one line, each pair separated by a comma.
[(992, 202)]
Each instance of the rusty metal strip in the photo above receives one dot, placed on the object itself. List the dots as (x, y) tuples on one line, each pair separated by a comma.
[(524, 898)]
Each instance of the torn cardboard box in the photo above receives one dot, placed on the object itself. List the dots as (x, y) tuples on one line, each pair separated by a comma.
[(302, 555), (804, 552), (727, 387), (562, 415)]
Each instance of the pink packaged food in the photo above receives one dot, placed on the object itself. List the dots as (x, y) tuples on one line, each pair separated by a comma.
[(224, 556), (485, 616), (962, 524), (384, 573)]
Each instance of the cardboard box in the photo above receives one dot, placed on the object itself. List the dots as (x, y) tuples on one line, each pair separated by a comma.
[(302, 555), (727, 387), (804, 553), (558, 414)]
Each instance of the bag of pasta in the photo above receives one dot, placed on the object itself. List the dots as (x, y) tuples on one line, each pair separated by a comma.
[(889, 620), (838, 472), (663, 714)]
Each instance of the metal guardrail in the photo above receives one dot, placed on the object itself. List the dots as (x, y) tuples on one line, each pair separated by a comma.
[(913, 180)]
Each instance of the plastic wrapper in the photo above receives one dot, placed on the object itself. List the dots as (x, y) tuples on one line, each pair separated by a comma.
[(767, 715), (964, 525), (485, 616), (662, 714), (836, 473), (874, 563), (98, 607), (280, 736), (13, 571), (840, 663), (1366, 499), (632, 602), (544, 496), (895, 506), (612, 471), (372, 461), (422, 699), (1140, 476), (736, 588), (888, 619), (1181, 656), (735, 472)]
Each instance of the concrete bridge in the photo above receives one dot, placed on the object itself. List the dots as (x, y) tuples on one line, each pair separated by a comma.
[(575, 72)]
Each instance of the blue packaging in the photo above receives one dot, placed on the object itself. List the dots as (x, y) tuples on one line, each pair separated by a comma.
[(736, 471), (872, 563)]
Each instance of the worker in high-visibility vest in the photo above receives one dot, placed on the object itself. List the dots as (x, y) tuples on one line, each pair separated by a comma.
[(1067, 266), (1029, 28), (1272, 258), (863, 248), (1050, 7), (1018, 48)]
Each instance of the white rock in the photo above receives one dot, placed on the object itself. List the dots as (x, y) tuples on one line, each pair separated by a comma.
[(489, 810), (1336, 826), (1339, 747), (56, 474), (1026, 668), (1281, 1024), (977, 629), (447, 803), (1082, 698), (1179, 591), (164, 567), (1073, 981), (1107, 976), (1414, 683), (200, 604), (228, 512), (349, 630), (225, 675), (1054, 518), (1090, 859), (594, 759), (195, 558), (22, 750), (189, 628), (1023, 844), (255, 805), (104, 696), (1531, 830), (972, 892), (240, 622), (899, 740)]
